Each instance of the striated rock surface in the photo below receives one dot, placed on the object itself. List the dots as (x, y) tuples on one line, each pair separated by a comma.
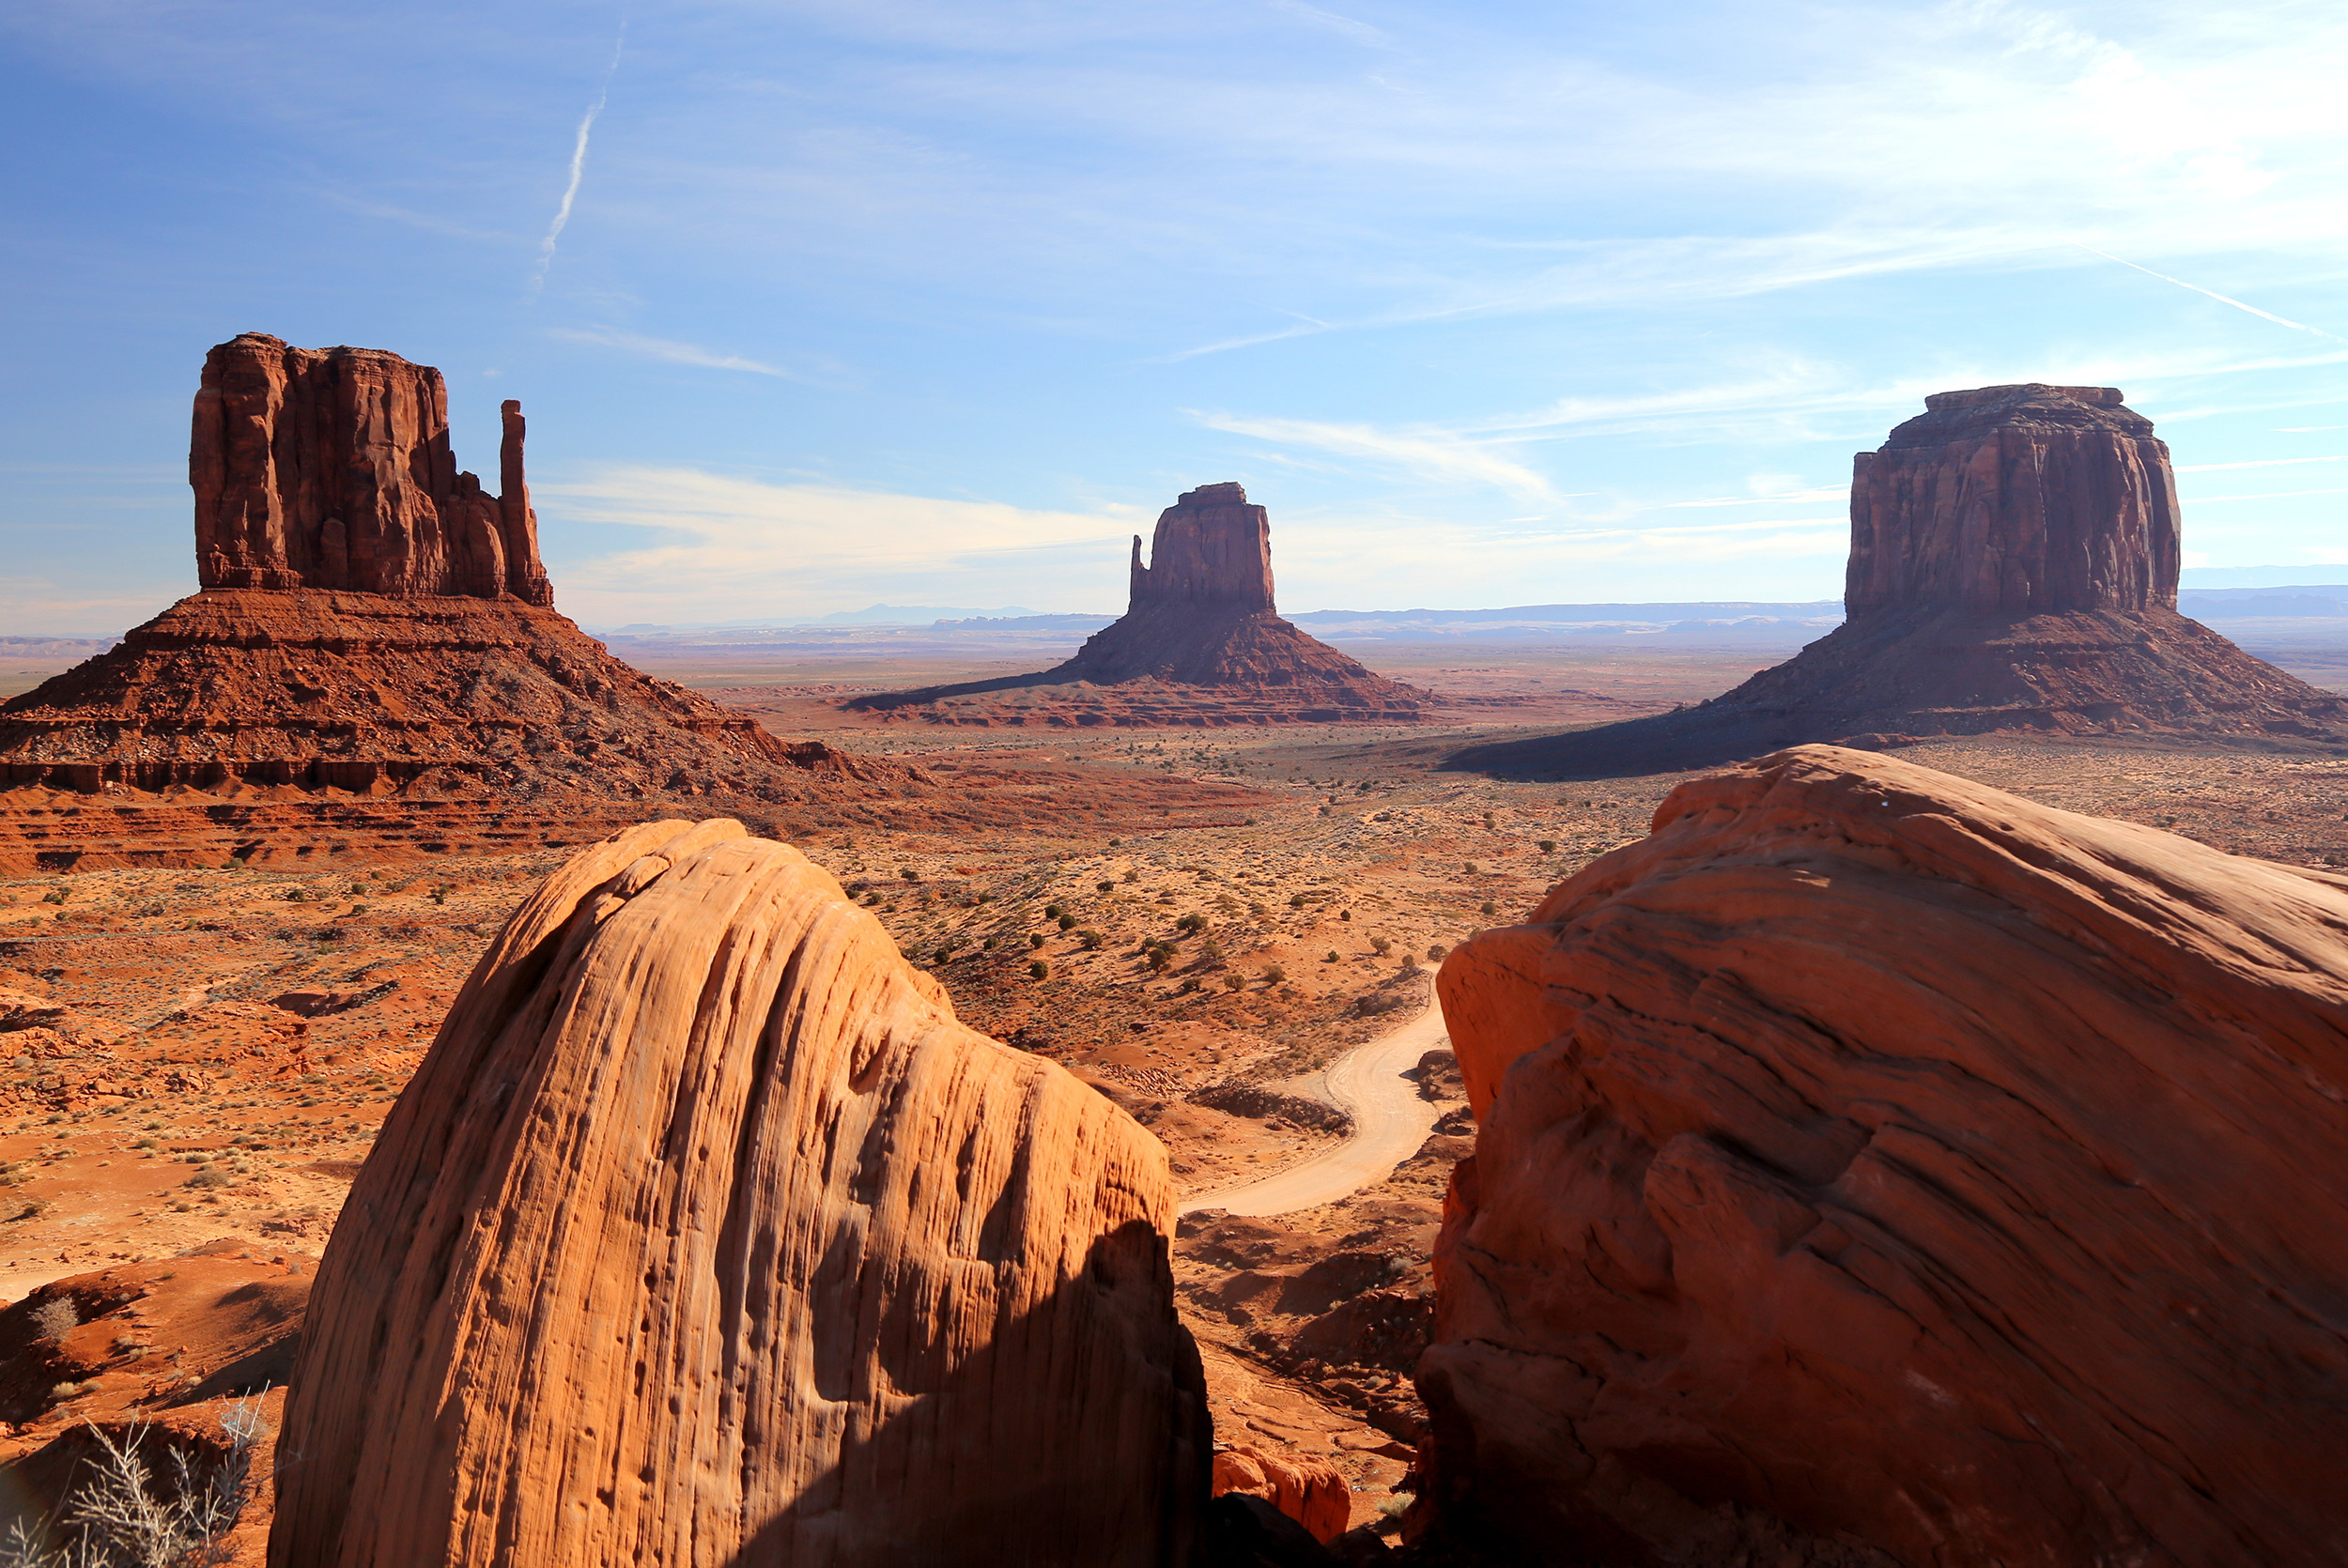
[(1877, 1167), (1199, 643), (705, 1235), (330, 468), (368, 691), (2013, 568), (1308, 1490)]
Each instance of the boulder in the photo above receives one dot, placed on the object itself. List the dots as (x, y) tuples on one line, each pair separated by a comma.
[(1308, 1490), (2012, 569), (705, 1234), (1874, 1162)]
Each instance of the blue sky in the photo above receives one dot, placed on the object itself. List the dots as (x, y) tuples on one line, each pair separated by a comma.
[(935, 303)]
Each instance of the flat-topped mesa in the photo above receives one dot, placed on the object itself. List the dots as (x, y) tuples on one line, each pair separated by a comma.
[(330, 468), (1211, 550), (2027, 499)]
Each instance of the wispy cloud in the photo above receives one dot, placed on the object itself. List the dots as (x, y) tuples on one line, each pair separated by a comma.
[(579, 168), (1431, 454), (724, 547), (670, 350), (2257, 463), (2222, 299), (1820, 493)]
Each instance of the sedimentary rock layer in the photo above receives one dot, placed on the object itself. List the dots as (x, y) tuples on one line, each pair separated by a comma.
[(1199, 643), (369, 691), (705, 1235), (1876, 1157), (330, 468)]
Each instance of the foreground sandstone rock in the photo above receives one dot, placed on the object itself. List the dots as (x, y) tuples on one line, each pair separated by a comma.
[(1199, 643), (1883, 1168), (2013, 568), (706, 1234)]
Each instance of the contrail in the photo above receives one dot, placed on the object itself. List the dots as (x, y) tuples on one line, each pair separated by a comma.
[(2222, 299), (578, 167)]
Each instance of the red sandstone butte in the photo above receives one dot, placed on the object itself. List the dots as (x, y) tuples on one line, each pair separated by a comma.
[(705, 1234), (1877, 1167), (1201, 643), (2013, 570), (330, 468), (373, 622)]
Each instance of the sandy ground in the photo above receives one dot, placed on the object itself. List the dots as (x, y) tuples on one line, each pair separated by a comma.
[(200, 1057)]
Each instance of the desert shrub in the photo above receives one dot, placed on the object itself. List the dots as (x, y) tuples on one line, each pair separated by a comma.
[(1193, 923), (1234, 982), (1067, 922), (1549, 846), (1130, 876), (209, 1176), (1053, 911), (1436, 949), (1331, 958), (1039, 970), (1091, 940), (1273, 973), (57, 1317), (1104, 888), (128, 1516), (1296, 901), (1489, 907), (1160, 957), (1380, 945), (1035, 939)]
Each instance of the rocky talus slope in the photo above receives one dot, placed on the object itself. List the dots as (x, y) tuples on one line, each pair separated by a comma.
[(1201, 643), (2013, 564), (1877, 1167), (704, 1234)]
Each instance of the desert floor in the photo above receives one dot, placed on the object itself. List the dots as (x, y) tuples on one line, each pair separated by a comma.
[(199, 1058)]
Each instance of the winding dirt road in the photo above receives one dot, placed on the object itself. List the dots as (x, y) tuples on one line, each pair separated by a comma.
[(1390, 1122)]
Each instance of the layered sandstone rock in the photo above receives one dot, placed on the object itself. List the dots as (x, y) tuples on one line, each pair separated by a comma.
[(706, 1234), (1308, 1490), (1201, 643), (330, 468), (2012, 569), (1877, 1167), (370, 621)]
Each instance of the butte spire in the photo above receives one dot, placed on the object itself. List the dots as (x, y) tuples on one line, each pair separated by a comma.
[(1201, 643), (2012, 571)]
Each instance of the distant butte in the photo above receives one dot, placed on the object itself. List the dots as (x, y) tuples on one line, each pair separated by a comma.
[(1201, 643), (2013, 570)]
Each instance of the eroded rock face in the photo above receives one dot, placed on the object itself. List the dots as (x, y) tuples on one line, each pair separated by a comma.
[(2013, 570), (1308, 1490), (1876, 1157), (330, 468), (1201, 643), (705, 1235), (1211, 550), (2015, 501)]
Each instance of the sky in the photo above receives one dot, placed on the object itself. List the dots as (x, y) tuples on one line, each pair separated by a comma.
[(814, 305)]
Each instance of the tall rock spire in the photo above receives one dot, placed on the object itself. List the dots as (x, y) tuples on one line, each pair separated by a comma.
[(1211, 550)]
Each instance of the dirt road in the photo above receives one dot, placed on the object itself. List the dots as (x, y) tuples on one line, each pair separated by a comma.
[(1390, 1121)]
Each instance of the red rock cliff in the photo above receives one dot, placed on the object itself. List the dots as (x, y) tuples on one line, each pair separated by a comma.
[(705, 1235), (2024, 499), (1873, 1154), (1211, 550), (330, 468)]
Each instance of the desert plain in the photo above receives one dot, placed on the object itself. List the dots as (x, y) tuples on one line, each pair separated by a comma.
[(200, 1053)]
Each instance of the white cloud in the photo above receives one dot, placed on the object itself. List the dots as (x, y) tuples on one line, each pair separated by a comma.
[(670, 350), (1432, 455), (2258, 463), (731, 549)]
